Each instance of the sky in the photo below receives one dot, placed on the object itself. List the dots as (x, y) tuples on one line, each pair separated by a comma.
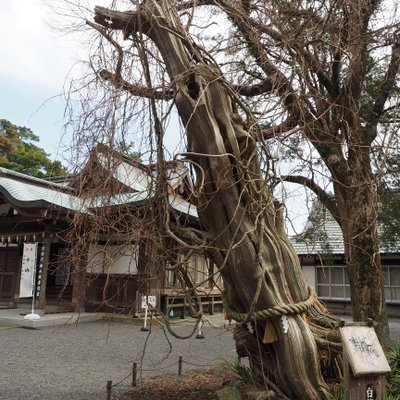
[(35, 63), (33, 67)]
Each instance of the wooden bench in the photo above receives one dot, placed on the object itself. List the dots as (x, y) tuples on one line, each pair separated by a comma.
[(176, 301)]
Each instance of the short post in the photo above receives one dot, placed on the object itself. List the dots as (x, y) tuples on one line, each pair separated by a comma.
[(180, 362), (212, 306), (200, 333), (145, 328), (134, 374), (364, 363), (109, 386)]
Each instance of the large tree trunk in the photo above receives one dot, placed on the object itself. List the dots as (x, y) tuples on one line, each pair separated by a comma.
[(259, 266), (358, 218), (260, 269)]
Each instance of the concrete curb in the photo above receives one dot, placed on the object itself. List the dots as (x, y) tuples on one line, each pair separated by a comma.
[(15, 318)]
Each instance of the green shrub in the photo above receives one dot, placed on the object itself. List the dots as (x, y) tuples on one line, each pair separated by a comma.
[(337, 392), (243, 373), (394, 385), (393, 357)]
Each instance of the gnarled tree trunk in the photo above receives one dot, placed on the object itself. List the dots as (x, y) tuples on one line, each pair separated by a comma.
[(259, 266)]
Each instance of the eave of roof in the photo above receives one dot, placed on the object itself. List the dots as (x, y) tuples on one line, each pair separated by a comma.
[(136, 198), (32, 179), (31, 193)]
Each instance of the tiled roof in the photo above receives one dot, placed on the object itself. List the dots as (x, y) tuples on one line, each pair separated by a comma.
[(323, 235), (31, 192)]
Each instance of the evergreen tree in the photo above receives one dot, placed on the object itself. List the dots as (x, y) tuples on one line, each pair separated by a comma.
[(19, 152)]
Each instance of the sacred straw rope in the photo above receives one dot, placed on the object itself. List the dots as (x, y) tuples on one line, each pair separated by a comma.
[(277, 311)]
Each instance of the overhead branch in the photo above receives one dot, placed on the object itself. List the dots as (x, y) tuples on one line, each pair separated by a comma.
[(125, 21), (136, 90), (336, 68), (116, 77), (112, 41), (391, 108), (310, 59), (329, 147), (185, 5), (281, 83), (278, 130), (386, 86), (265, 86), (147, 16), (327, 200), (358, 17)]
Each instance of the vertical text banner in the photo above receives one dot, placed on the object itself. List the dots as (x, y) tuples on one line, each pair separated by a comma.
[(28, 270)]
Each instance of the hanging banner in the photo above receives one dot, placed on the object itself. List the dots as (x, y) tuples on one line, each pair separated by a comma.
[(28, 269)]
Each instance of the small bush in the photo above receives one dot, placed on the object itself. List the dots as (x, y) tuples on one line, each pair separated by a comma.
[(243, 373), (337, 392), (394, 385), (393, 357)]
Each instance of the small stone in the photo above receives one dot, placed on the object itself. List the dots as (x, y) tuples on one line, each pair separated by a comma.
[(260, 394)]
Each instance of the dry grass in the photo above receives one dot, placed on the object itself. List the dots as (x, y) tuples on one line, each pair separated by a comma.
[(198, 385)]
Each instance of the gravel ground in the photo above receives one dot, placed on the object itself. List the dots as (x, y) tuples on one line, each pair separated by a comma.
[(74, 362)]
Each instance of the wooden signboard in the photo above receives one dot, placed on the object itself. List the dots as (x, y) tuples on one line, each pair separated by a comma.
[(364, 362), (363, 351)]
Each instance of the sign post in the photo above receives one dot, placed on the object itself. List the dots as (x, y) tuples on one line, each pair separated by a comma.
[(200, 333), (145, 302), (364, 363)]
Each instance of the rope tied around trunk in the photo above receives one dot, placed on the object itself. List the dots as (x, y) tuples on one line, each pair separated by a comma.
[(273, 312)]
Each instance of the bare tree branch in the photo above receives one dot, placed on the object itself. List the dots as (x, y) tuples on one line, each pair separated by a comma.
[(322, 195), (135, 90), (386, 86), (254, 90)]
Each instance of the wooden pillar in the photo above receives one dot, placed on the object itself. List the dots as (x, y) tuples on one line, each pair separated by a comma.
[(79, 275), (18, 274), (44, 260), (167, 306), (368, 387)]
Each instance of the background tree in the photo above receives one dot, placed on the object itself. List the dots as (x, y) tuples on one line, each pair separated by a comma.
[(287, 70), (389, 213), (351, 128), (19, 152)]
